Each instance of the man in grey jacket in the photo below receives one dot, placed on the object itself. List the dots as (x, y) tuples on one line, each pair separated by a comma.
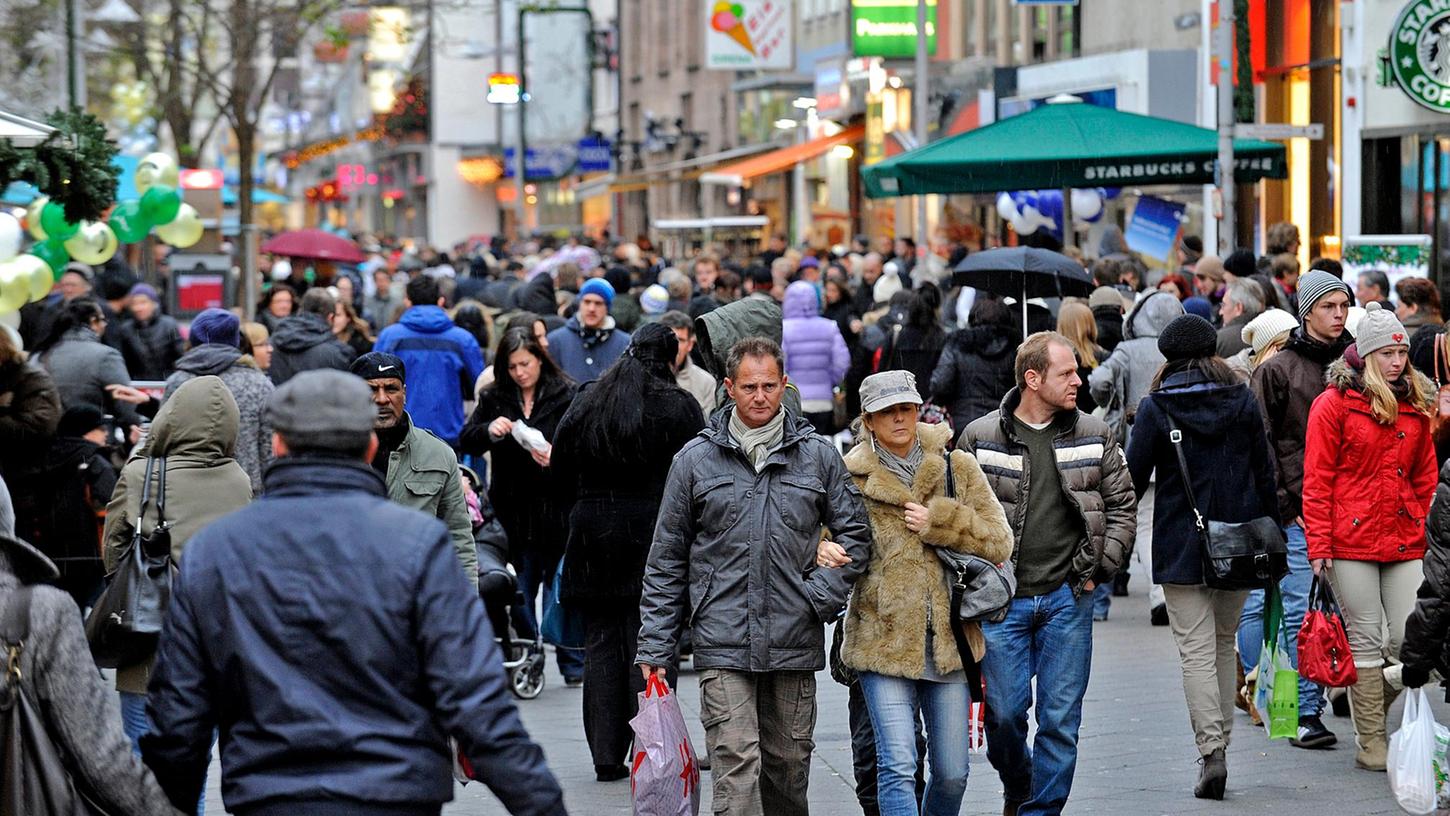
[(743, 511)]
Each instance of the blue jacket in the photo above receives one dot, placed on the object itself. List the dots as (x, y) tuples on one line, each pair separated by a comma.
[(583, 353), (337, 654), (443, 362)]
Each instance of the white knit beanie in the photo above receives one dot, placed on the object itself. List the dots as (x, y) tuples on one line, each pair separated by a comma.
[(1378, 329), (1262, 330)]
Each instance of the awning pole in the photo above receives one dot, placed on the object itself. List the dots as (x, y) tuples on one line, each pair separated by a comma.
[(1023, 303), (1069, 235)]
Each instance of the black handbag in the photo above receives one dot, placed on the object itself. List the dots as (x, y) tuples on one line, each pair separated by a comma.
[(35, 778), (1236, 555), (126, 621), (980, 590)]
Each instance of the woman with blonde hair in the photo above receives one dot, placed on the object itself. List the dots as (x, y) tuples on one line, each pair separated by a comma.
[(257, 342), (1075, 321), (1266, 336), (1369, 478)]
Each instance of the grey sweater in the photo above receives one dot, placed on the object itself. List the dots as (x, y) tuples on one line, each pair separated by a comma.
[(56, 668)]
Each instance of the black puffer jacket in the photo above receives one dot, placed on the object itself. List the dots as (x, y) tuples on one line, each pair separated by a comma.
[(304, 342), (1426, 645), (974, 373), (151, 349)]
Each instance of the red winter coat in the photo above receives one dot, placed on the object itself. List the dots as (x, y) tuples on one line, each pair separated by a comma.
[(1367, 486)]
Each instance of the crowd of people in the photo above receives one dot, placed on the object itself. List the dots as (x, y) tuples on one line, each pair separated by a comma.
[(752, 462)]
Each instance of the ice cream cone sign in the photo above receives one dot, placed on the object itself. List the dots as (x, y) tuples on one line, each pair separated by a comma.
[(726, 18)]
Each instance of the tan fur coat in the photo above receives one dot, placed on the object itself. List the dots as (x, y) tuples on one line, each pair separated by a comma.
[(886, 621)]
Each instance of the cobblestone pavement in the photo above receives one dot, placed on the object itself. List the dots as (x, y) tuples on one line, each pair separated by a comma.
[(1136, 753)]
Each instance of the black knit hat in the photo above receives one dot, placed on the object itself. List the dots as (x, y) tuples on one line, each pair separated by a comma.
[(80, 419), (1188, 337)]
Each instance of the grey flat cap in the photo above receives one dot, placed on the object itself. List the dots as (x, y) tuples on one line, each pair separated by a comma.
[(888, 388), (323, 409)]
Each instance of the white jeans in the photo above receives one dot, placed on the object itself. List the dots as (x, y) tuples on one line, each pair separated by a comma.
[(1376, 599)]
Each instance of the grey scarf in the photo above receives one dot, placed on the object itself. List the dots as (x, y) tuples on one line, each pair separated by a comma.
[(757, 443), (904, 467)]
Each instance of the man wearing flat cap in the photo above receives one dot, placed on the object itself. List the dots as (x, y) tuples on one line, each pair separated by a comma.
[(326, 633), (421, 470)]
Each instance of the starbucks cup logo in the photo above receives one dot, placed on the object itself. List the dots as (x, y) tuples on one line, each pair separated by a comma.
[(1420, 53)]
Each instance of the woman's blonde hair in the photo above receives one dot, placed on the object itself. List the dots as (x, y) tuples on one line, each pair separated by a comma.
[(1075, 322), (1383, 403), (1269, 350)]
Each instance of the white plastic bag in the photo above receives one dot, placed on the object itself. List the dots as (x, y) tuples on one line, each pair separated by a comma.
[(1412, 756), (664, 779), (530, 439)]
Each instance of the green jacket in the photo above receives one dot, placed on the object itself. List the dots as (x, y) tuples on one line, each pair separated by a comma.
[(423, 474), (718, 330)]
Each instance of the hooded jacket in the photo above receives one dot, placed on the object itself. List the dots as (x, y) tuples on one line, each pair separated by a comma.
[(583, 353), (975, 371), (537, 295), (1122, 380), (1367, 486), (734, 553), (716, 331), (1286, 385), (82, 715), (1110, 326), (151, 349), (904, 586), (442, 362), (196, 430), (364, 651), (29, 412), (1427, 630), (816, 357), (1092, 471), (304, 342), (250, 387), (1230, 466)]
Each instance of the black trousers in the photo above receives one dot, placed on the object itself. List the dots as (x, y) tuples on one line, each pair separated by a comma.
[(611, 680)]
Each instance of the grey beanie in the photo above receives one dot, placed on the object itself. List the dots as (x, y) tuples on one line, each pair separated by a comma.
[(1379, 328), (1314, 285)]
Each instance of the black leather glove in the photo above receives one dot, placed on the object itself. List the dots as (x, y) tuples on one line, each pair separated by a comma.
[(1414, 677)]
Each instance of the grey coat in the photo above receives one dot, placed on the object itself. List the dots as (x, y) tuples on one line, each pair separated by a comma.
[(82, 712), (1124, 379), (82, 366), (743, 546)]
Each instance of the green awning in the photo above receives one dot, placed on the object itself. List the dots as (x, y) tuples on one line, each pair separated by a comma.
[(1069, 144)]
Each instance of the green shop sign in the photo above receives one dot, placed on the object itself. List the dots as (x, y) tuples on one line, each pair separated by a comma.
[(887, 28), (1419, 53)]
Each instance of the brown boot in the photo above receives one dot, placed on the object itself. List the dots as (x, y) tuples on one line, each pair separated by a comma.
[(1366, 705), (1241, 700), (1248, 690)]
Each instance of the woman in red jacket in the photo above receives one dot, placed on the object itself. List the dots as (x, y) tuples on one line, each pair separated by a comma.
[(1369, 477)]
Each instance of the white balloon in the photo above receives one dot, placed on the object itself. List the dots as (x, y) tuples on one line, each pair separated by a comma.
[(1021, 226), (1086, 205), (11, 320), (11, 236), (1006, 207)]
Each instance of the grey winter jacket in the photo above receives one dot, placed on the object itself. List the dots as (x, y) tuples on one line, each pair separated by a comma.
[(1093, 471), (250, 387), (57, 670), (82, 366), (743, 546), (303, 342), (1123, 379)]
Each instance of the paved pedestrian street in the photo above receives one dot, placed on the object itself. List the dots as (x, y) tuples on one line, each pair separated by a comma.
[(1137, 754)]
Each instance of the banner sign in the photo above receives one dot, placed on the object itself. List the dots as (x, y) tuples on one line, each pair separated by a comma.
[(748, 34), (887, 28), (1153, 228)]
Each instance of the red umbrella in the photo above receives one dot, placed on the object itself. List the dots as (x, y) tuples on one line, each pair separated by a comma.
[(313, 244)]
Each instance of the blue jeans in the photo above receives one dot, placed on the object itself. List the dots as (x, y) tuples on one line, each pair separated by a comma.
[(893, 703), (1049, 637), (136, 724), (535, 578), (1294, 588), (1102, 600)]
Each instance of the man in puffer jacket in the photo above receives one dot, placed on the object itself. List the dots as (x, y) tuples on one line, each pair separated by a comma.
[(1120, 383), (215, 349), (305, 342), (816, 357)]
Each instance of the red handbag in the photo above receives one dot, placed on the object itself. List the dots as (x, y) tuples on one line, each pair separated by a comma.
[(1323, 645)]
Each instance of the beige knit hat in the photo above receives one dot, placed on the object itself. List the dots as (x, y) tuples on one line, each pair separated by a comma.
[(1378, 329), (1264, 329)]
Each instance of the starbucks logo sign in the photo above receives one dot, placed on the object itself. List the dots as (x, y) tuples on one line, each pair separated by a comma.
[(1420, 53)]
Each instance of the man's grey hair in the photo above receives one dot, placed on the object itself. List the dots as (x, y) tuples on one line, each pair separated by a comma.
[(1376, 278), (753, 347), (317, 301), (677, 283), (1248, 295), (676, 319)]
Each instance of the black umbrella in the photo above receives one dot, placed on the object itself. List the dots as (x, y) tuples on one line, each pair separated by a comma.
[(1022, 273)]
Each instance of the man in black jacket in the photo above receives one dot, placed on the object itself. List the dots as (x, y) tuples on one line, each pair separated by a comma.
[(305, 342), (336, 653)]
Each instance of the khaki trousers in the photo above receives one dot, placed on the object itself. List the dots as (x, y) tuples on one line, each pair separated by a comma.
[(1205, 624), (1376, 598), (759, 730)]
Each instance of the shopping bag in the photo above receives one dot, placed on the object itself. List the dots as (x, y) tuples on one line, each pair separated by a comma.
[(563, 625), (1324, 655), (1411, 764), (664, 779), (1276, 693)]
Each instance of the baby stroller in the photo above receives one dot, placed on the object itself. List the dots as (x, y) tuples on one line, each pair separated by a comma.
[(498, 588)]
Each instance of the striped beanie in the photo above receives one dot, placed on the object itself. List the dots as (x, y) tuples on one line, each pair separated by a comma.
[(1314, 285)]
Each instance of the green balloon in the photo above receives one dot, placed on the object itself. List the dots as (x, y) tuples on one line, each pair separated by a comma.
[(159, 204), (54, 254), (129, 222), (52, 220)]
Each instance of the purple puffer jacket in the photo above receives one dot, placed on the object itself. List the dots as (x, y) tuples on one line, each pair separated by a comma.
[(816, 357)]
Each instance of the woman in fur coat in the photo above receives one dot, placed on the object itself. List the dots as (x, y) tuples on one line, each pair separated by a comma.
[(899, 625)]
